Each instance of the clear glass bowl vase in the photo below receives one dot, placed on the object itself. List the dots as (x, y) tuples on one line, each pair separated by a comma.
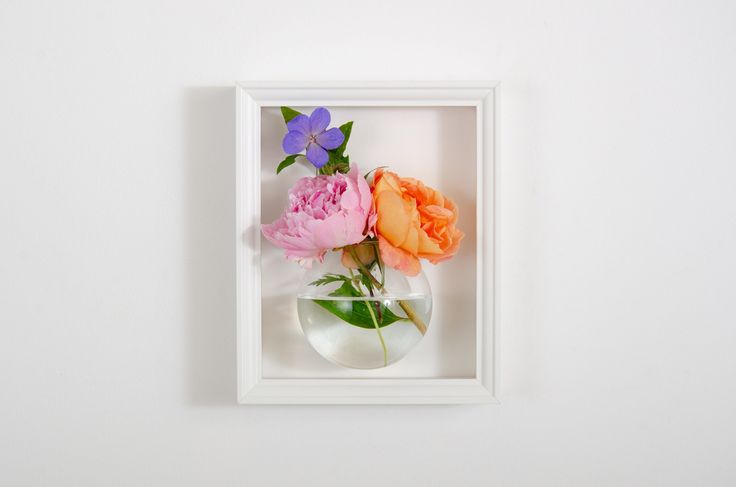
[(365, 317)]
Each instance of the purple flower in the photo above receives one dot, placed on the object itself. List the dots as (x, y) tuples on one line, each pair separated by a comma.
[(309, 132)]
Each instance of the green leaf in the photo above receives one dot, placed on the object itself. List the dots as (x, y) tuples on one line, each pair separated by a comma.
[(334, 157), (355, 313), (328, 278), (289, 113), (346, 129), (287, 162), (366, 281), (335, 163)]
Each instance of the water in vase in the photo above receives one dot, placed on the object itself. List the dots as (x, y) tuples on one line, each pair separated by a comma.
[(326, 321)]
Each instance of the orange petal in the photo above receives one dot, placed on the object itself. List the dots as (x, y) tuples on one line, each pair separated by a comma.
[(398, 259), (436, 212), (411, 243), (394, 221), (427, 245), (450, 251), (392, 180)]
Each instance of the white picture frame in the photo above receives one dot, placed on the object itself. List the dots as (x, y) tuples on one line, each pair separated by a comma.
[(253, 388)]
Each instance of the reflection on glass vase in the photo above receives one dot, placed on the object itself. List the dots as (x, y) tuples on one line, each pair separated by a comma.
[(365, 315)]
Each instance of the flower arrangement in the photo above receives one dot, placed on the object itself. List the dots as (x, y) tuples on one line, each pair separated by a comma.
[(376, 222)]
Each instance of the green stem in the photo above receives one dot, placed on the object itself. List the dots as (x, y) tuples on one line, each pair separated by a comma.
[(363, 269), (405, 305), (369, 305), (377, 253), (380, 335)]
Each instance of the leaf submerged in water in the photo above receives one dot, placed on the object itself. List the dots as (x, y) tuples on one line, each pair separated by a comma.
[(354, 312)]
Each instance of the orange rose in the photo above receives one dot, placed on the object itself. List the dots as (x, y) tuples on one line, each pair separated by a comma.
[(414, 221)]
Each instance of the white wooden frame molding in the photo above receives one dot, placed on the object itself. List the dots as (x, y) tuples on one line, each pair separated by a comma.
[(252, 387)]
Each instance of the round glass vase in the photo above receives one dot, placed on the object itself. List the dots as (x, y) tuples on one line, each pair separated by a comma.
[(365, 317)]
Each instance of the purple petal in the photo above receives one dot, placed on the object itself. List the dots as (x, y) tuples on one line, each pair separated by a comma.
[(331, 139), (317, 155), (294, 142), (319, 120), (300, 123)]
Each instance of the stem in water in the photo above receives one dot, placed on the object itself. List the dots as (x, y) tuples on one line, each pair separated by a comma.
[(405, 305), (380, 335), (369, 305)]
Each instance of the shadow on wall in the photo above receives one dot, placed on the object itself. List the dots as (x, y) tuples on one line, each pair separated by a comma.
[(209, 158)]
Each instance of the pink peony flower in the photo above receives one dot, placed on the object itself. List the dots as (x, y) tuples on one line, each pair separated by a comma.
[(324, 212)]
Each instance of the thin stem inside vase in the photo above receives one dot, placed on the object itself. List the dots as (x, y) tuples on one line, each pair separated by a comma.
[(369, 305)]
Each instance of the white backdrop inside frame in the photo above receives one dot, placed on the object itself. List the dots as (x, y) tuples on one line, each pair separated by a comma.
[(434, 144)]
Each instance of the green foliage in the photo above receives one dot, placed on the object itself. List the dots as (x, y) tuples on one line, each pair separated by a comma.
[(287, 162), (346, 130), (289, 114), (338, 161), (328, 278), (355, 312), (335, 164)]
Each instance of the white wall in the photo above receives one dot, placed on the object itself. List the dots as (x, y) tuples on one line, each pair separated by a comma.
[(618, 212)]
